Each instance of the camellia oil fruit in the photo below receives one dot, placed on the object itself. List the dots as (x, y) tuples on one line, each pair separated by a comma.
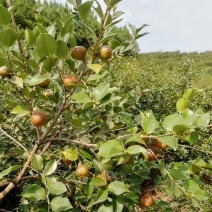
[(159, 144), (105, 52), (69, 79), (78, 52), (4, 71), (45, 83), (82, 171), (146, 200), (38, 118)]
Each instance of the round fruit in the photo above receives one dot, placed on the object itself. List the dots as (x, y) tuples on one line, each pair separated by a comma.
[(146, 200), (151, 156), (69, 79), (103, 177), (82, 171), (38, 118), (78, 52), (47, 93), (106, 52), (4, 71), (45, 83), (160, 145)]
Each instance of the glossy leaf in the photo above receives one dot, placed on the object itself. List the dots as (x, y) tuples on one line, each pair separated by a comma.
[(84, 9), (95, 67), (135, 149), (20, 110), (175, 189), (102, 196), (46, 45), (9, 170), (182, 104), (201, 195), (71, 154), (50, 167), (37, 162), (62, 49), (34, 193), (57, 188), (172, 120), (60, 204), (76, 122), (111, 148), (8, 37), (17, 81), (30, 37), (181, 128), (170, 141), (81, 98), (189, 94), (117, 188), (37, 79), (4, 16)]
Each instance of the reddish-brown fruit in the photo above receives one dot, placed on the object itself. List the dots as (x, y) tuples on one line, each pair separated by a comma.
[(146, 200), (45, 83), (82, 171), (106, 52), (78, 52), (151, 156), (4, 71), (38, 118), (160, 145), (69, 79)]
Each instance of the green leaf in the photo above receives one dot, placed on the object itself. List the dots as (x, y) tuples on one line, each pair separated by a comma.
[(97, 165), (149, 122), (49, 63), (46, 45), (172, 120), (182, 104), (81, 98), (117, 188), (114, 2), (67, 28), (95, 67), (62, 49), (71, 154), (203, 120), (37, 79), (9, 170), (189, 94), (97, 76), (76, 122), (135, 149), (111, 148), (175, 189), (4, 16), (97, 181), (191, 185), (8, 37), (193, 168), (170, 141), (102, 195), (89, 189), (179, 174), (37, 162), (50, 167), (98, 9), (34, 193), (20, 110), (30, 37), (102, 90), (84, 9), (106, 208), (181, 128), (201, 195), (57, 188), (60, 204), (17, 81)]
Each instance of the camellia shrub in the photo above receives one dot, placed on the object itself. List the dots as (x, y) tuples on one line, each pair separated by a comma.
[(72, 140)]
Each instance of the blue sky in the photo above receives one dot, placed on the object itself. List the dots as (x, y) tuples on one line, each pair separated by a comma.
[(183, 25)]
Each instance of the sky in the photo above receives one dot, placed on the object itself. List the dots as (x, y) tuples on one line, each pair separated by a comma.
[(175, 25)]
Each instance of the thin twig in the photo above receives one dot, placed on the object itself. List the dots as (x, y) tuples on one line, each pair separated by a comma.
[(14, 140)]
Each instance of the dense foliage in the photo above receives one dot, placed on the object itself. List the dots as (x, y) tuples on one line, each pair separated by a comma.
[(75, 131)]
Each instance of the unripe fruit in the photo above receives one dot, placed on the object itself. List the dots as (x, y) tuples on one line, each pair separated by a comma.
[(82, 171), (78, 52), (45, 83), (4, 71), (106, 52), (69, 79), (160, 145), (146, 200), (38, 118)]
